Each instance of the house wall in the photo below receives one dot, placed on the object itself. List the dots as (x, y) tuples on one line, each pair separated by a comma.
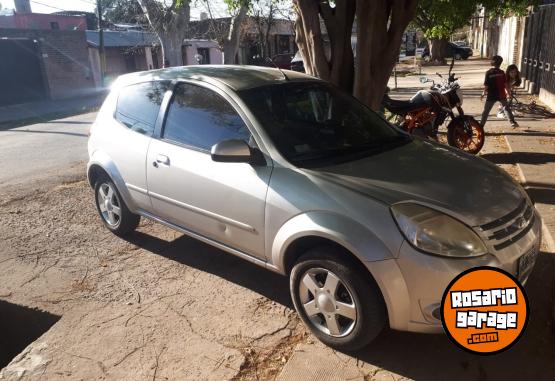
[(94, 58), (64, 60), (216, 56), (509, 40), (115, 62), (190, 49), (42, 21), (538, 55), (140, 60)]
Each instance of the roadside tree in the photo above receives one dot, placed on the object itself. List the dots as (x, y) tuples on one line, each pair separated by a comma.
[(326, 47), (170, 21)]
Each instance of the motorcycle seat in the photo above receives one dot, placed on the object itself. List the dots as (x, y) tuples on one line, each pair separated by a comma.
[(400, 107)]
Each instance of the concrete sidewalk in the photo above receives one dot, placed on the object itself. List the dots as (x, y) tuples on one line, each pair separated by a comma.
[(45, 110), (534, 153)]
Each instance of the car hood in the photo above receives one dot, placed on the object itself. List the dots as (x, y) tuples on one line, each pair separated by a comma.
[(467, 187)]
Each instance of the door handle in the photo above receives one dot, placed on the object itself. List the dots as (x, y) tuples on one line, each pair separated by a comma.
[(161, 159)]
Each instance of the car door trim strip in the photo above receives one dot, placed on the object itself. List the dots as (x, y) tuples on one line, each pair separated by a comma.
[(136, 188), (209, 241), (206, 213)]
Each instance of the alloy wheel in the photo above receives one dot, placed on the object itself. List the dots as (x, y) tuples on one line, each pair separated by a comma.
[(327, 302), (109, 205)]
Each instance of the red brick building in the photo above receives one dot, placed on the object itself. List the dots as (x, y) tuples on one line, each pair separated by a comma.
[(43, 64), (23, 18)]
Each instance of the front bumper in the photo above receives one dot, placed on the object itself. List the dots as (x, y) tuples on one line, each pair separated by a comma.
[(413, 284)]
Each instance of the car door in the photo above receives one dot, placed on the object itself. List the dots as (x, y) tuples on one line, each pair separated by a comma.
[(222, 201), (132, 125)]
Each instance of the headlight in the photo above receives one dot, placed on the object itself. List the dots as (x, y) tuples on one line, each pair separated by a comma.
[(436, 233)]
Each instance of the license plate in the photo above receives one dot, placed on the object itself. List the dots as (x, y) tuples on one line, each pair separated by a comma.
[(526, 263)]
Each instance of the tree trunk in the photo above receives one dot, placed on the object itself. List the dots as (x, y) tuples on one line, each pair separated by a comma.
[(339, 23), (438, 49), (310, 40), (380, 27), (300, 40), (170, 22), (337, 66), (231, 43), (172, 49)]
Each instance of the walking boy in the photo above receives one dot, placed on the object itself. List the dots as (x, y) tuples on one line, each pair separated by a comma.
[(496, 89)]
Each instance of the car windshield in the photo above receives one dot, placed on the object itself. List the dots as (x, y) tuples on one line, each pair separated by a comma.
[(315, 124)]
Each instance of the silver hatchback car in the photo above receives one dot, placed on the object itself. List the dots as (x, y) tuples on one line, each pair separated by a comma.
[(288, 172)]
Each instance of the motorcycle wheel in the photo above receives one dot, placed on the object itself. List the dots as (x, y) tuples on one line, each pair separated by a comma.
[(466, 134)]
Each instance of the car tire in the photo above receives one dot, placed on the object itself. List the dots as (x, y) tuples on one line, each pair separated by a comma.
[(346, 311), (458, 56), (112, 209)]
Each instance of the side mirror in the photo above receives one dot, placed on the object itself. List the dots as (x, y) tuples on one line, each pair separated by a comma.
[(231, 151)]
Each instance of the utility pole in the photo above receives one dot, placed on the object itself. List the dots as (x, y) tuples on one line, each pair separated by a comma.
[(101, 42)]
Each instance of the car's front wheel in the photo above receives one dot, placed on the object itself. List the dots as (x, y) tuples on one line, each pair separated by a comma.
[(112, 209), (336, 299)]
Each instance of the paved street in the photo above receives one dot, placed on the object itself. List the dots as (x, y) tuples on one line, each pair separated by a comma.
[(40, 150)]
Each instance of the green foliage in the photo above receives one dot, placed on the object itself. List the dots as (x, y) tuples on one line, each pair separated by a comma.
[(234, 5), (508, 7), (441, 18), (123, 11)]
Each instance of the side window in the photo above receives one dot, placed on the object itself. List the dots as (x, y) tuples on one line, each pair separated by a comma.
[(138, 105), (200, 118)]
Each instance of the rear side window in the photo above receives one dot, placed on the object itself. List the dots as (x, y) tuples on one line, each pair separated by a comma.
[(138, 105), (200, 118)]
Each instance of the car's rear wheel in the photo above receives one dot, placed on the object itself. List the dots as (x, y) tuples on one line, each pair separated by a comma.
[(112, 209), (338, 301)]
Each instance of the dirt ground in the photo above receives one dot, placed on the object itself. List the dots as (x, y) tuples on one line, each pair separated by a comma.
[(160, 304)]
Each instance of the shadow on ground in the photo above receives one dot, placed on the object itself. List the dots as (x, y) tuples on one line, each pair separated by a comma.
[(53, 132), (19, 327), (547, 134), (520, 157), (214, 261), (543, 193)]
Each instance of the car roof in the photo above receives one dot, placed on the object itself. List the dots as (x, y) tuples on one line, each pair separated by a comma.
[(237, 77)]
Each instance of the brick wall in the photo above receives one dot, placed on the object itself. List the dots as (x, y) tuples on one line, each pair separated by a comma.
[(43, 21), (64, 60)]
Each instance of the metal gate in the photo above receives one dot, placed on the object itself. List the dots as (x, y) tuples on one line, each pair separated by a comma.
[(21, 76), (538, 54)]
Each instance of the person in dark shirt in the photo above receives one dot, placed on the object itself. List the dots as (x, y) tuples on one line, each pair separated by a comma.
[(496, 89)]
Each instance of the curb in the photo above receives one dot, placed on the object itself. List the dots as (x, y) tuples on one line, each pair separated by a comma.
[(546, 234)]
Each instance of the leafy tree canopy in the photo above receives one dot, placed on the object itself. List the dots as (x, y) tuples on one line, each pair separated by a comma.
[(123, 11), (440, 18), (508, 7)]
